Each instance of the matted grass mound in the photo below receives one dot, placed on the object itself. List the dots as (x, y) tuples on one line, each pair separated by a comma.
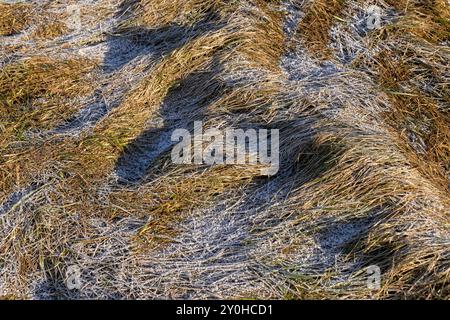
[(14, 18), (86, 179)]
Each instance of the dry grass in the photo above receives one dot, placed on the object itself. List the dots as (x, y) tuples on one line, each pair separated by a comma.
[(364, 153), (50, 30), (161, 13), (363, 180), (33, 91), (314, 28), (427, 19), (14, 18), (174, 194)]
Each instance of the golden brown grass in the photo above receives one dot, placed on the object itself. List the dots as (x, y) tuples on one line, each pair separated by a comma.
[(314, 29), (372, 173), (402, 172), (161, 13), (14, 18), (427, 19), (50, 30), (33, 91), (389, 166), (264, 35), (126, 122), (174, 194), (416, 114)]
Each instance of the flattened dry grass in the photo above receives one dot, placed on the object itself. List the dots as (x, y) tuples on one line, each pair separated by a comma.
[(14, 18), (390, 167), (314, 28), (428, 19), (40, 77), (160, 13), (50, 30), (126, 122), (86, 163), (399, 176), (419, 116), (426, 130), (36, 94), (371, 177), (33, 91), (173, 195), (263, 36)]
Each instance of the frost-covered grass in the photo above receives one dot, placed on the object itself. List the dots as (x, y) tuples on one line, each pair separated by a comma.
[(88, 104)]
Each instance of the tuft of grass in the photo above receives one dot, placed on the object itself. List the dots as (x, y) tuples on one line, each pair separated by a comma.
[(416, 114), (428, 19), (33, 91), (50, 30), (161, 13), (314, 28)]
